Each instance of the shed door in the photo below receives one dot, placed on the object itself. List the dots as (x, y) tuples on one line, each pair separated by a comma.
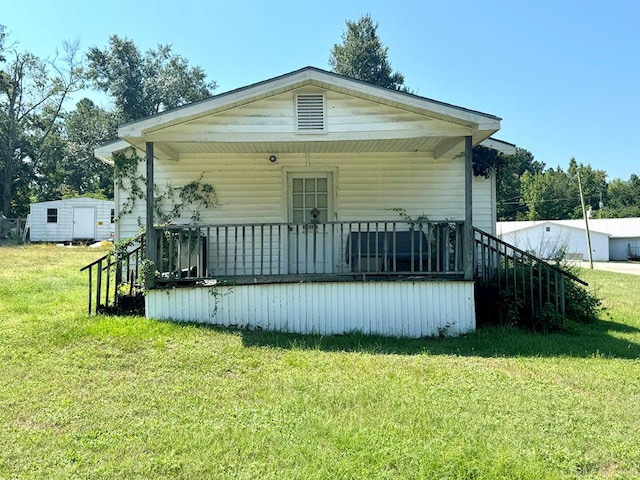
[(309, 201), (84, 223)]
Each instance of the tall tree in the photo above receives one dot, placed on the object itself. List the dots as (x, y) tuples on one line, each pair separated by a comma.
[(145, 84), (67, 165), (363, 56), (622, 199), (32, 94), (511, 205), (553, 194)]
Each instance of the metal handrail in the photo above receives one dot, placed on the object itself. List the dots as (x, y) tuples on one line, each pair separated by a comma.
[(531, 280), (106, 293)]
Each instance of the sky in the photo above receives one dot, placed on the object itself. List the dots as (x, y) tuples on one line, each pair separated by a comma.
[(562, 74)]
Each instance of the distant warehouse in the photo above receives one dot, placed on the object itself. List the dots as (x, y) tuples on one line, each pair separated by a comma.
[(615, 239)]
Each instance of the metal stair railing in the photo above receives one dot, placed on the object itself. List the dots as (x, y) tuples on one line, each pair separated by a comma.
[(531, 280), (111, 273)]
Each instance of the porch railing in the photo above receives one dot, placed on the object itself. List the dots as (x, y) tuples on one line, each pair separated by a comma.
[(531, 281), (267, 250), (114, 277)]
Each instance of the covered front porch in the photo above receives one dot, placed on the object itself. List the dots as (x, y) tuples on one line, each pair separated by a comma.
[(401, 279)]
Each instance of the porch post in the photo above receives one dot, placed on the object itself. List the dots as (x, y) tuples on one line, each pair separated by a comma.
[(150, 232), (468, 209)]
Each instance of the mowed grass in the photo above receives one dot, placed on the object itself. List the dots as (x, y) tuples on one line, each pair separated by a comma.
[(125, 397)]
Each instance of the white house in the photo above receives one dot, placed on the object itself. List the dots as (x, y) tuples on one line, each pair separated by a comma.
[(611, 238), (342, 207), (72, 219)]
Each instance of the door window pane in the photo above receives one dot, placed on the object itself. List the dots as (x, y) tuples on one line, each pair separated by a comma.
[(298, 216), (310, 184)]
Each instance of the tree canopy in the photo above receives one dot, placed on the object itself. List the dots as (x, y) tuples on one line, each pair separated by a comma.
[(363, 56), (46, 152), (145, 84), (32, 95)]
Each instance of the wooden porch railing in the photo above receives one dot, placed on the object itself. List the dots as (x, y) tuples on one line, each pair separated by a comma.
[(267, 250), (532, 281), (262, 253)]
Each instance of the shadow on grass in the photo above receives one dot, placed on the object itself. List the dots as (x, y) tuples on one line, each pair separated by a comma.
[(589, 341)]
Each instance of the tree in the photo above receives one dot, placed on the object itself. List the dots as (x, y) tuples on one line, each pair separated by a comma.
[(363, 56), (32, 94), (67, 166), (143, 85), (594, 186), (545, 195), (510, 204), (622, 199), (554, 194)]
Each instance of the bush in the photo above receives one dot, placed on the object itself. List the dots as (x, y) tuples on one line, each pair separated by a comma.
[(500, 306)]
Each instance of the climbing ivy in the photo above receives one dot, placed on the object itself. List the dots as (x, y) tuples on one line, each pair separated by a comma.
[(486, 160), (126, 168), (173, 202), (170, 203)]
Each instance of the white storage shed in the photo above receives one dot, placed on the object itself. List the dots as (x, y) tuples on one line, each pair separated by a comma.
[(73, 219)]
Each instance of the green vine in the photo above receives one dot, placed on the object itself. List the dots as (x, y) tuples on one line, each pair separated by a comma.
[(126, 168), (216, 293), (486, 160), (189, 198), (169, 203), (413, 222)]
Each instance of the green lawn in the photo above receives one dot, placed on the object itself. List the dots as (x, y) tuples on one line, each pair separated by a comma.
[(101, 397)]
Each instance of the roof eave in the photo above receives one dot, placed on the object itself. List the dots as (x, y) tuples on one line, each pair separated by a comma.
[(311, 76)]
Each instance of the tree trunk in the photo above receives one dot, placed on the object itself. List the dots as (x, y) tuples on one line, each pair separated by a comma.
[(7, 184)]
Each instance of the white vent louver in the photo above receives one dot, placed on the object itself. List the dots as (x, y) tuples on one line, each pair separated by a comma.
[(310, 113)]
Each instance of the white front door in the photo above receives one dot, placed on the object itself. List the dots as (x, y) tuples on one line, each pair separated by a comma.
[(310, 208), (84, 223)]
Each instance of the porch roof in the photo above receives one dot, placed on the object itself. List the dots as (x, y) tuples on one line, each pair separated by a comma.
[(174, 131)]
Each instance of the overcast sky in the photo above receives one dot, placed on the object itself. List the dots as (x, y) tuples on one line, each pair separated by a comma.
[(563, 75)]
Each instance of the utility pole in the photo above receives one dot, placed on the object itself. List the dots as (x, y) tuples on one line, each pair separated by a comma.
[(586, 222)]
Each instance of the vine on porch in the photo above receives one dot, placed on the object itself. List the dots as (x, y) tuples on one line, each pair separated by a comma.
[(170, 203)]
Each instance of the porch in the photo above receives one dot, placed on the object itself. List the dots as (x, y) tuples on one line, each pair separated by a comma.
[(388, 278), (293, 252)]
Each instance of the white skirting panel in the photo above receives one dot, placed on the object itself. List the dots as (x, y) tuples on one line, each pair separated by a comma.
[(399, 309)]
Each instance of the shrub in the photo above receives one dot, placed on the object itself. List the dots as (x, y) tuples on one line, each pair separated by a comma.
[(504, 306)]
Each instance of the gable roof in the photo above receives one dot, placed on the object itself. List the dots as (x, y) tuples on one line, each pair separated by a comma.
[(166, 128)]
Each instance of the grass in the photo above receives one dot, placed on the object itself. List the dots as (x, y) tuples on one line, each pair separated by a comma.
[(125, 397)]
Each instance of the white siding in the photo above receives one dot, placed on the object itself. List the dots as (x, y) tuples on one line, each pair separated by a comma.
[(366, 187), (62, 230), (273, 119), (484, 203), (400, 309)]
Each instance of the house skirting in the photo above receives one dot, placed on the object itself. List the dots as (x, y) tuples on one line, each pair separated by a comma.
[(399, 309)]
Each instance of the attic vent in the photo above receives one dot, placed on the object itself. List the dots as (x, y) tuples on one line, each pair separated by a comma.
[(310, 113)]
